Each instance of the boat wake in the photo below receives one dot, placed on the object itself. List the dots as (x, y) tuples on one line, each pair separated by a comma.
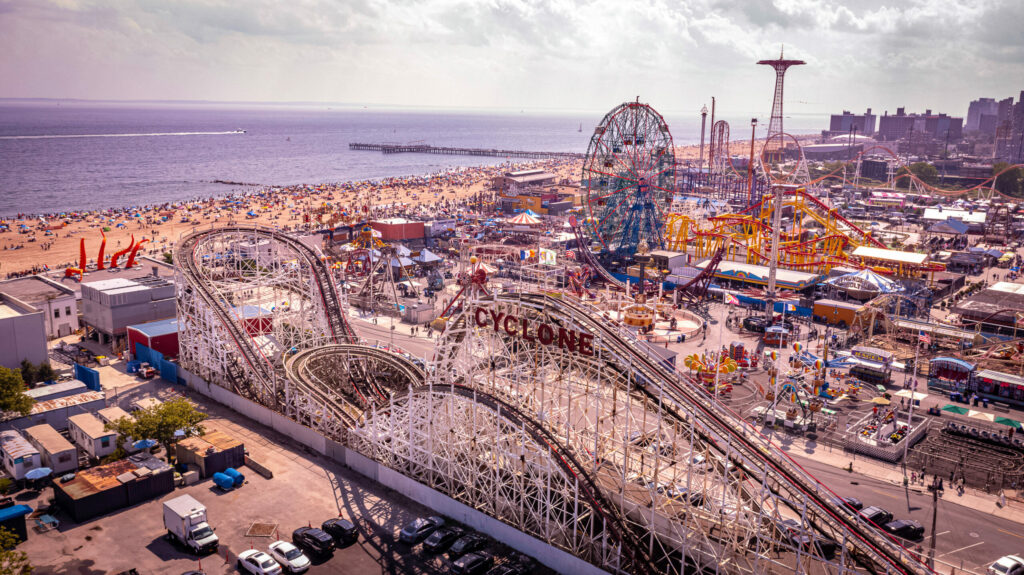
[(61, 136)]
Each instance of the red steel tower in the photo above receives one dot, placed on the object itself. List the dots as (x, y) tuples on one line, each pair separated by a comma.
[(774, 145)]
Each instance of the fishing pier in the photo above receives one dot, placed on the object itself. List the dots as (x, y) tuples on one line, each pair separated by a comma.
[(449, 151)]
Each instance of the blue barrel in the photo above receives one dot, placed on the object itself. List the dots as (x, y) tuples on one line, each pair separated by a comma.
[(223, 481), (235, 476)]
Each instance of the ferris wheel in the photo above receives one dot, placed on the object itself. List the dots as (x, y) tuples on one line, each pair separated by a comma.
[(629, 173)]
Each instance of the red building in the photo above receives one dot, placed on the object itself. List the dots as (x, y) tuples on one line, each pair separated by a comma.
[(398, 229), (159, 336)]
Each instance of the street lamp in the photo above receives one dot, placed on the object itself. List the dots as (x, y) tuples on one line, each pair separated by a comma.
[(703, 119)]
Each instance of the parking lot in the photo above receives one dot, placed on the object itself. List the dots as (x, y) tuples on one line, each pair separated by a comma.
[(306, 490)]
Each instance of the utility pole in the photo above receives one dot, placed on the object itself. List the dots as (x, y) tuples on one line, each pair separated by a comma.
[(935, 518), (750, 162), (711, 141), (773, 263), (703, 120)]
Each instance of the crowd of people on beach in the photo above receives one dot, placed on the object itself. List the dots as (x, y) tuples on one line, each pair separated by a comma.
[(295, 207)]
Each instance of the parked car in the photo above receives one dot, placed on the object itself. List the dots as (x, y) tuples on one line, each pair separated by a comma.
[(442, 538), (472, 564), (343, 530), (852, 503), (420, 529), (876, 515), (467, 544), (313, 541), (257, 562), (905, 528), (291, 558), (1008, 565)]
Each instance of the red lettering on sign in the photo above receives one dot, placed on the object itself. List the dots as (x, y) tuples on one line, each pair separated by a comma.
[(586, 341), (567, 339), (545, 334), (526, 330), (497, 318)]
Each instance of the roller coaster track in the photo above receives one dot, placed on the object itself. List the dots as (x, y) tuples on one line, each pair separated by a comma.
[(756, 451), (357, 394), (564, 457), (185, 257)]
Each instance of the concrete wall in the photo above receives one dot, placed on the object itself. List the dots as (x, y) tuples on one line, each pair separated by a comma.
[(552, 557), (22, 336)]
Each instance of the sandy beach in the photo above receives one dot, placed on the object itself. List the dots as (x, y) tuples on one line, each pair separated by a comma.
[(34, 243), (37, 242)]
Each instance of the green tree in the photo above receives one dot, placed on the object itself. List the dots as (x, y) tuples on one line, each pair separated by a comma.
[(45, 372), (161, 422), (1009, 183), (12, 392), (12, 561), (924, 171), (169, 257), (28, 372)]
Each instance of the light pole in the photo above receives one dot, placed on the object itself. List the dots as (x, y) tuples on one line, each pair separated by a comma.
[(703, 119), (750, 162)]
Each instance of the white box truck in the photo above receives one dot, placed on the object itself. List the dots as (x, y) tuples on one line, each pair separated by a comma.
[(185, 520)]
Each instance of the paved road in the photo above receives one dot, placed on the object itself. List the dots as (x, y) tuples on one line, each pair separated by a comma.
[(419, 346), (966, 538)]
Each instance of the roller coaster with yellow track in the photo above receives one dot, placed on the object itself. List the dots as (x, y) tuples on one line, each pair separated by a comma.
[(819, 239)]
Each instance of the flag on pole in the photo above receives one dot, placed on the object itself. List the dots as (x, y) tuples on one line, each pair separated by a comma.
[(924, 338), (731, 299)]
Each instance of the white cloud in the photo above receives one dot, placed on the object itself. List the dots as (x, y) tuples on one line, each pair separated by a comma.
[(587, 54)]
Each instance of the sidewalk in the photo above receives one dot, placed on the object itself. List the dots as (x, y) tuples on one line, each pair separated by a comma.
[(973, 498)]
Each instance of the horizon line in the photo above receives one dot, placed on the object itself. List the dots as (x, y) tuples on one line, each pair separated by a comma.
[(356, 105)]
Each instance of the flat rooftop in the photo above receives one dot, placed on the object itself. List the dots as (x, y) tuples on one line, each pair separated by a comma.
[(7, 311), (144, 267), (69, 401), (32, 290), (913, 258), (970, 217), (759, 274)]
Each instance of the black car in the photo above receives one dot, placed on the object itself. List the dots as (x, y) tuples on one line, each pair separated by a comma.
[(313, 541), (876, 515), (852, 503), (442, 538), (341, 529), (467, 544), (420, 529), (472, 564), (905, 528)]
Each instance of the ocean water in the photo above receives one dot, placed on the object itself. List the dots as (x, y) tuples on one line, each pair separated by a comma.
[(60, 156)]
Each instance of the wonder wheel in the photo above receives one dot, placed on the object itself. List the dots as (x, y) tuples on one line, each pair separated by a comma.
[(629, 174)]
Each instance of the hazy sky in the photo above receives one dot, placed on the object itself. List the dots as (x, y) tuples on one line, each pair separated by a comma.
[(556, 54)]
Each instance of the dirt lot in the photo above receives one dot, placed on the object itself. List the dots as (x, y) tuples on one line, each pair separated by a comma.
[(306, 489)]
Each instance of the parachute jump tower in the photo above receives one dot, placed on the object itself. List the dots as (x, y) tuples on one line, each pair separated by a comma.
[(774, 145)]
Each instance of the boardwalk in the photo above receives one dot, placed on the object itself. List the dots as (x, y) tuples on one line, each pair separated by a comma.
[(426, 149)]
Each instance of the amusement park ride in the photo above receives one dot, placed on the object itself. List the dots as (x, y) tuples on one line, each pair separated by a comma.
[(537, 411)]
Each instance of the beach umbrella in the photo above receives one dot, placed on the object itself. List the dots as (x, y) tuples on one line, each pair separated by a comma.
[(38, 473), (144, 444)]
